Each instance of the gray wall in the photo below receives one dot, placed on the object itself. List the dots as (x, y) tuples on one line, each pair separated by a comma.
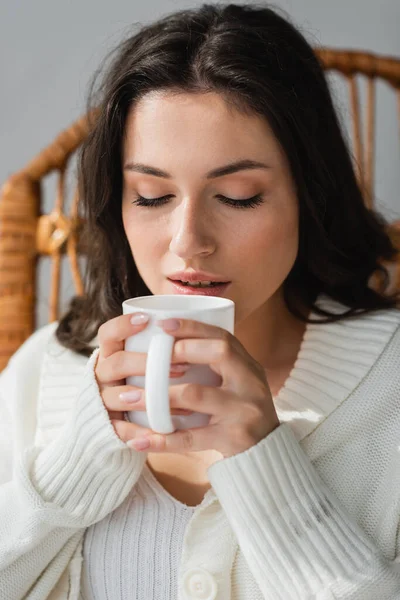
[(49, 50)]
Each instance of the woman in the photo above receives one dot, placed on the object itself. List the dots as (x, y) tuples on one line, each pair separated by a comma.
[(215, 152)]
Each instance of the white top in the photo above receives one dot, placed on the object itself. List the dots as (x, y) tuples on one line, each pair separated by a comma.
[(311, 511), (135, 551)]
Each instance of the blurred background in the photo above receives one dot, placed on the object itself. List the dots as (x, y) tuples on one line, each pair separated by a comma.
[(49, 50)]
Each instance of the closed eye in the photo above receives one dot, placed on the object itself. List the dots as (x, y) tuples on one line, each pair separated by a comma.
[(246, 203)]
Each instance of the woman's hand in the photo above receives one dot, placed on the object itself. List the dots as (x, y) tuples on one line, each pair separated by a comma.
[(114, 364), (241, 408)]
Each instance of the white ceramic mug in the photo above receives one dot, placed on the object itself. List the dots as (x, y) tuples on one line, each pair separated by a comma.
[(159, 347)]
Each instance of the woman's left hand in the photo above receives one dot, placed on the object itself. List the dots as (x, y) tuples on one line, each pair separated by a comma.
[(241, 409)]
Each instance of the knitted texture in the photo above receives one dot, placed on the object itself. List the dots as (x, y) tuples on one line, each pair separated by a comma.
[(134, 552), (311, 511), (59, 490)]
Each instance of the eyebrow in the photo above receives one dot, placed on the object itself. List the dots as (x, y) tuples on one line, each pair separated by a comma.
[(240, 165)]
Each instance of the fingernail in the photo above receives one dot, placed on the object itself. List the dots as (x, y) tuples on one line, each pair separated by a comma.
[(139, 443), (169, 324), (139, 318), (131, 396)]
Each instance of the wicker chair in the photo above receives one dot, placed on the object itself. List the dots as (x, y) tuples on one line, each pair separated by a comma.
[(26, 234)]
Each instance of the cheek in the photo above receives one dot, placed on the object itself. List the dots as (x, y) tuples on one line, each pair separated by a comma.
[(146, 238), (135, 229), (135, 235), (283, 234), (275, 241), (264, 259)]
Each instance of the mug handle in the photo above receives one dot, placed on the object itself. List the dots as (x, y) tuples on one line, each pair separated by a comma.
[(158, 366)]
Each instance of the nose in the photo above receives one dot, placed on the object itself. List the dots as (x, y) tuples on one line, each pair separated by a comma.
[(192, 231)]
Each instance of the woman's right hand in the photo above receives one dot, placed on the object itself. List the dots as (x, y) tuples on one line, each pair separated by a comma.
[(113, 365)]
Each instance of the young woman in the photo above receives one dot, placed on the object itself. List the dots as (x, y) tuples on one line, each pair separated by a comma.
[(215, 155)]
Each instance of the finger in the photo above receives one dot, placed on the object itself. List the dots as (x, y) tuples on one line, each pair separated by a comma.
[(194, 439), (209, 400), (120, 399), (220, 355), (120, 365), (123, 398), (123, 364), (113, 333), (126, 430), (187, 327), (227, 348)]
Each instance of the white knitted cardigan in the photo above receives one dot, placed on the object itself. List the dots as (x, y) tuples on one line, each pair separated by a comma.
[(311, 511)]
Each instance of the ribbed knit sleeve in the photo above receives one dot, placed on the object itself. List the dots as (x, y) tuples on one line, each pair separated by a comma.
[(297, 539), (57, 491)]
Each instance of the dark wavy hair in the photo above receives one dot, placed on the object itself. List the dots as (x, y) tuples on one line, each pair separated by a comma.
[(259, 62)]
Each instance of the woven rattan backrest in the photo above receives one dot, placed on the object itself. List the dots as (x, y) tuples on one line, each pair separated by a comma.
[(26, 234)]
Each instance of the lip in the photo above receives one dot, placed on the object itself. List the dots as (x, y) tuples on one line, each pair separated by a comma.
[(187, 290), (196, 276)]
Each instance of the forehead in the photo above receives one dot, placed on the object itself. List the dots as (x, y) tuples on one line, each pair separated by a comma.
[(164, 123)]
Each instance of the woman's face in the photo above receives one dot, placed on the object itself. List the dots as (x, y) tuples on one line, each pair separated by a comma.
[(188, 136)]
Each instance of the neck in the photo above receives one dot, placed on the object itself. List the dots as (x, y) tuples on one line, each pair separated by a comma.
[(271, 334)]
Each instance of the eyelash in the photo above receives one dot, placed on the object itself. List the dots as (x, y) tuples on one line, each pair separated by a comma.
[(247, 203)]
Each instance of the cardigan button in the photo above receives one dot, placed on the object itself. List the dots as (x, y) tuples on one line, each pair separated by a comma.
[(199, 584)]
